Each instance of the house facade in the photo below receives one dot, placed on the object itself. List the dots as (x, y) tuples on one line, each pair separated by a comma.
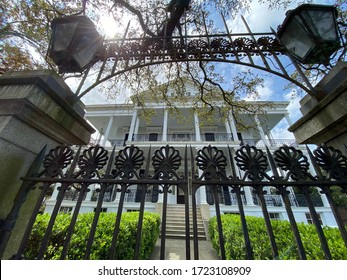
[(122, 125)]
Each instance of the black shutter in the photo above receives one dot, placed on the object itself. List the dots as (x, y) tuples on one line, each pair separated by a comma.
[(155, 193), (226, 193), (138, 189), (209, 195)]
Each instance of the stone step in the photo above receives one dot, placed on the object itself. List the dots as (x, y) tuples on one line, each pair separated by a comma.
[(175, 222), (177, 214), (171, 231), (183, 226), (178, 218), (183, 236)]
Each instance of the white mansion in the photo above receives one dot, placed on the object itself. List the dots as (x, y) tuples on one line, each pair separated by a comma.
[(124, 124)]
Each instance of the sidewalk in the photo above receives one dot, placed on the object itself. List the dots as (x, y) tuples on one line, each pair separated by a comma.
[(175, 250)]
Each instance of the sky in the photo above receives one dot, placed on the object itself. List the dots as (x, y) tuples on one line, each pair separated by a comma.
[(259, 19)]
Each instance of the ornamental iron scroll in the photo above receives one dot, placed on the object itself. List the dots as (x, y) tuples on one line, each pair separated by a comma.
[(56, 160), (212, 162), (221, 45), (292, 160), (91, 161), (332, 161), (128, 161), (253, 161), (166, 161)]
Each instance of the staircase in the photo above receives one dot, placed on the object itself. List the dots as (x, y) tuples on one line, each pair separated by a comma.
[(175, 222)]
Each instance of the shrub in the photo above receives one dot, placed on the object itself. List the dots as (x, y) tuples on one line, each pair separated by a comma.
[(235, 244), (103, 236)]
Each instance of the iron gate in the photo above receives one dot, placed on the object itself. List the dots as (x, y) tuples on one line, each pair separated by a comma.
[(249, 166)]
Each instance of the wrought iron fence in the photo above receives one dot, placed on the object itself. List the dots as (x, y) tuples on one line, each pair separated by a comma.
[(96, 166)]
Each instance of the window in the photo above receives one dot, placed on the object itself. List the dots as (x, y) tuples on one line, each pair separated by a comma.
[(275, 216), (181, 137), (231, 213), (153, 137), (209, 136), (65, 210), (101, 210), (310, 220)]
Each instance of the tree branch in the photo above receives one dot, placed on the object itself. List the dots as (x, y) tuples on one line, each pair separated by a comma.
[(137, 13)]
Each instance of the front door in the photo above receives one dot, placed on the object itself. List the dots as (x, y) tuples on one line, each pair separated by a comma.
[(180, 196)]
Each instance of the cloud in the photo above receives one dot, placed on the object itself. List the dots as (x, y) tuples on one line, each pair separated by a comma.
[(94, 97), (259, 18), (265, 92), (281, 131)]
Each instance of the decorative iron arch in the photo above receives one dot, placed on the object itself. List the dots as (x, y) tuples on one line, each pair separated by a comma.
[(261, 51)]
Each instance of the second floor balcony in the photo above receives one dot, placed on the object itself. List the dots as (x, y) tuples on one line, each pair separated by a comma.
[(207, 137), (183, 137)]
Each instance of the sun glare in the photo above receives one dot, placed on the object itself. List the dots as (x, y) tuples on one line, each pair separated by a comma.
[(108, 26)]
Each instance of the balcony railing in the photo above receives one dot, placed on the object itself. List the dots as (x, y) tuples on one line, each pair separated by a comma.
[(297, 200), (233, 199), (110, 195), (271, 143), (130, 196), (213, 137), (300, 201), (270, 200)]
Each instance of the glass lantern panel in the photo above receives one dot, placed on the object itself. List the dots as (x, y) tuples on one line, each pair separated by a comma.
[(296, 39), (62, 35), (322, 24), (86, 49)]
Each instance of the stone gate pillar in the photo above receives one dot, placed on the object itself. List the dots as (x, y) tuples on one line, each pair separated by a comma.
[(325, 121), (37, 108)]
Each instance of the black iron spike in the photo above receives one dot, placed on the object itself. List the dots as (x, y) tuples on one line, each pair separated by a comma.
[(98, 206), (186, 203), (142, 209)]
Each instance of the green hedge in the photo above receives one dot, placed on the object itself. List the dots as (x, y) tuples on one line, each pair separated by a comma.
[(235, 245), (103, 236)]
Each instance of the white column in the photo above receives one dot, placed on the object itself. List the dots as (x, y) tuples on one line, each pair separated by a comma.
[(233, 127), (197, 127), (55, 192), (161, 197), (260, 130), (271, 139), (227, 127), (90, 193), (137, 125), (108, 129), (132, 126), (288, 119), (202, 192), (248, 195), (166, 116)]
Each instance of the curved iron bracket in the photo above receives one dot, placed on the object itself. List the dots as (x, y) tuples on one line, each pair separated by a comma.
[(257, 50)]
